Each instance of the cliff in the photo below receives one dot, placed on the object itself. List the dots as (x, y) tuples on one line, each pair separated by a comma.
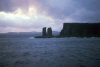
[(80, 30)]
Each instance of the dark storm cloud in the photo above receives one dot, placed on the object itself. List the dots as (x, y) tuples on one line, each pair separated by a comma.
[(89, 4), (12, 5), (89, 10), (79, 10), (59, 11), (6, 5), (59, 8)]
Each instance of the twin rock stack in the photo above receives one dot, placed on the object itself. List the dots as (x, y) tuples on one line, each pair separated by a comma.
[(47, 32)]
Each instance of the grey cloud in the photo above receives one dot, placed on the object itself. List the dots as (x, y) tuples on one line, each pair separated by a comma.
[(84, 15), (62, 9), (89, 4), (59, 9), (6, 5)]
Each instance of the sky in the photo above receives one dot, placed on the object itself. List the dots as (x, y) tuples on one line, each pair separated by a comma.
[(33, 15)]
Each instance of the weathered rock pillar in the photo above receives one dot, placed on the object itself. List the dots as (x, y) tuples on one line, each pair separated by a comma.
[(49, 32), (44, 31)]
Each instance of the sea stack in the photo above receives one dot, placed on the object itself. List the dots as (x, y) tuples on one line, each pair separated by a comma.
[(49, 32), (44, 31)]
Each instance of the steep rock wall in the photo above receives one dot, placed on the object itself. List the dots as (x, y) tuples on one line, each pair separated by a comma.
[(80, 29)]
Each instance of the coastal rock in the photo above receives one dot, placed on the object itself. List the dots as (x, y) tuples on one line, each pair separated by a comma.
[(80, 30)]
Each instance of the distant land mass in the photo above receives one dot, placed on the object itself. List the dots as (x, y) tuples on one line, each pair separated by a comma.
[(23, 34), (19, 34), (68, 30), (80, 30), (75, 30)]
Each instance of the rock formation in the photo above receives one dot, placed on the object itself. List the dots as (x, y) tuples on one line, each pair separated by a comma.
[(80, 29), (49, 32), (44, 31)]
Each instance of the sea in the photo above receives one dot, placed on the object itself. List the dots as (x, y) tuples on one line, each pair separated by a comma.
[(50, 52)]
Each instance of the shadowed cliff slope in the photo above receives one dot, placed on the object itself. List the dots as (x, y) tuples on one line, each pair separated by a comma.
[(80, 30)]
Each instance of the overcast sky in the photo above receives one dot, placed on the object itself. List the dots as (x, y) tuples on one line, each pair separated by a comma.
[(32, 15)]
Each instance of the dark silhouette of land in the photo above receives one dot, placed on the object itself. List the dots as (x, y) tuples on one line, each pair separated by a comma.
[(19, 34), (49, 32), (74, 30), (46, 33), (80, 30)]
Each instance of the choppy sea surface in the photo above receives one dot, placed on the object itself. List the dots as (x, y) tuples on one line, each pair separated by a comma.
[(50, 52)]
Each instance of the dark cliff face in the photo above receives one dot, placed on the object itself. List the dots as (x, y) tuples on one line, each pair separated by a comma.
[(80, 29)]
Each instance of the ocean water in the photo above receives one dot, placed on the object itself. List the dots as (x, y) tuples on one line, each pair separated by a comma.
[(50, 52)]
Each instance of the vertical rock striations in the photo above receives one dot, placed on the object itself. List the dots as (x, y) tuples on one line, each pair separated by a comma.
[(49, 32), (44, 32), (80, 30)]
